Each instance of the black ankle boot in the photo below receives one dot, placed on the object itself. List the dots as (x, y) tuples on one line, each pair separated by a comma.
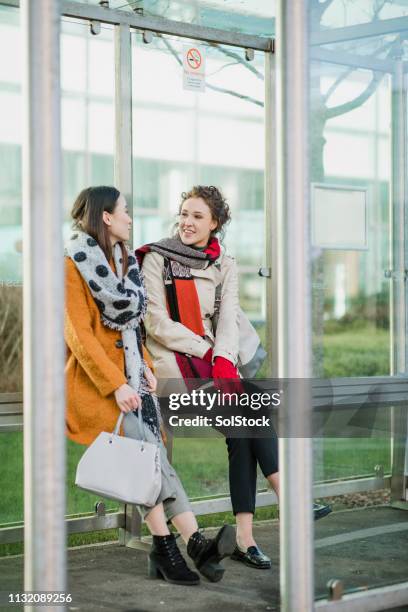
[(166, 561), (207, 553)]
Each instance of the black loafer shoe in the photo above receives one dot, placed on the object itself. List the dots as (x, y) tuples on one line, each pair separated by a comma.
[(253, 557), (320, 510)]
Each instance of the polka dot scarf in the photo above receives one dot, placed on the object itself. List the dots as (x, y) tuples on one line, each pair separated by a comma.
[(121, 300)]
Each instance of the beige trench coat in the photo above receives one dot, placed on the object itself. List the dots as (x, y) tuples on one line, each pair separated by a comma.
[(165, 336)]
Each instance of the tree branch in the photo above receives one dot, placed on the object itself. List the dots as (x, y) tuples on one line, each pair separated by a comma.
[(235, 94), (318, 10), (222, 68), (171, 49), (341, 109), (240, 60), (335, 111), (336, 83), (378, 10), (208, 85)]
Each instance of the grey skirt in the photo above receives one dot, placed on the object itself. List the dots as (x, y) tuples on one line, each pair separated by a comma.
[(172, 494)]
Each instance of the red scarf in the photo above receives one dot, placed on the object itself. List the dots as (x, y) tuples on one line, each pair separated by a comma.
[(183, 305)]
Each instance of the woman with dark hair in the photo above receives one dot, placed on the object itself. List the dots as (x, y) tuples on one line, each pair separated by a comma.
[(106, 373), (182, 275)]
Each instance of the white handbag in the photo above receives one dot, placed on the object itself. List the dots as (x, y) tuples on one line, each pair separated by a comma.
[(120, 468)]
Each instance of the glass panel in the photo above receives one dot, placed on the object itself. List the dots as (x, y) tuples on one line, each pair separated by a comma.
[(11, 500), (351, 148), (349, 457), (374, 47), (357, 294), (11, 377), (181, 138), (87, 140), (88, 89), (11, 367), (343, 13), (200, 477), (87, 104), (364, 544), (258, 16), (367, 548)]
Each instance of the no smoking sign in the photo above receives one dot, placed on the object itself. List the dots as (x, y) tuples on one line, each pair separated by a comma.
[(193, 68), (194, 59)]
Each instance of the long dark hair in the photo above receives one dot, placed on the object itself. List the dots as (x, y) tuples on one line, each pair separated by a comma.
[(87, 213)]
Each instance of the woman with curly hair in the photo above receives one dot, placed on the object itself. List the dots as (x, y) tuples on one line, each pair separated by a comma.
[(181, 275)]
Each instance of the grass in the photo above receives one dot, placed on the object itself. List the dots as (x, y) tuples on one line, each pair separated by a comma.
[(360, 352), (349, 457), (358, 349), (202, 466)]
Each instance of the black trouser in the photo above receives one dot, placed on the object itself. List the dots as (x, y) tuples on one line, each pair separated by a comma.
[(244, 454)]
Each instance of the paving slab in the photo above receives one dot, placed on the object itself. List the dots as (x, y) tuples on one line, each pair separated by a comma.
[(362, 547)]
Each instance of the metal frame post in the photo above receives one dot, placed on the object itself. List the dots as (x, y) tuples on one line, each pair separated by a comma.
[(294, 305), (398, 280), (130, 534), (44, 405), (397, 220), (271, 220), (123, 115)]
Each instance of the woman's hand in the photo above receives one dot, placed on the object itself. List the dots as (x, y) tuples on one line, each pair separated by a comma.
[(151, 380), (226, 376), (127, 399), (224, 368)]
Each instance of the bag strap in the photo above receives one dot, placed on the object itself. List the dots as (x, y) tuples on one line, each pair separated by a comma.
[(141, 424), (217, 301), (170, 289)]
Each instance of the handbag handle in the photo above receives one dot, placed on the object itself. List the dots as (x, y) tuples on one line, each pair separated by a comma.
[(141, 424)]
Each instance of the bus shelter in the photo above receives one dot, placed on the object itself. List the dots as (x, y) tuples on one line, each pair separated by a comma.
[(298, 110)]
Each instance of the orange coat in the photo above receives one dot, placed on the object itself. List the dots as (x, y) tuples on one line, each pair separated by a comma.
[(95, 362)]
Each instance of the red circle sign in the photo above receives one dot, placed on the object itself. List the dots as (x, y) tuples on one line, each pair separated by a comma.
[(194, 59)]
